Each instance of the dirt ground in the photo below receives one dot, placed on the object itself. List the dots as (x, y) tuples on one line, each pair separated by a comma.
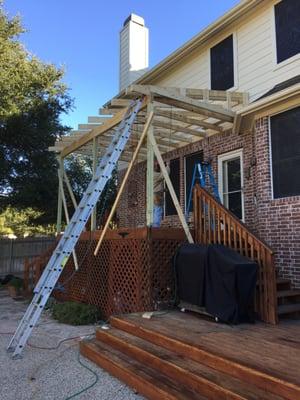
[(50, 374)]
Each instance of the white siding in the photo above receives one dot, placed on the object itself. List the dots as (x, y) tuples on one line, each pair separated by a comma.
[(257, 71)]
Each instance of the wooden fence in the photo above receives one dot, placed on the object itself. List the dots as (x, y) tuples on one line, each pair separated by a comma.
[(14, 252), (215, 224)]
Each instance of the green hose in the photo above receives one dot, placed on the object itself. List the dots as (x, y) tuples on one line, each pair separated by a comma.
[(88, 387)]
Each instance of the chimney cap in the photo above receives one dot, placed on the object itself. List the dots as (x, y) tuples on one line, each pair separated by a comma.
[(134, 18)]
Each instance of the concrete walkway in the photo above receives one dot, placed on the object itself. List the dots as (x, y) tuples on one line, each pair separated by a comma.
[(50, 374)]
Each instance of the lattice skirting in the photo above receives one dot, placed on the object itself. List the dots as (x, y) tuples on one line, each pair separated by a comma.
[(132, 272)]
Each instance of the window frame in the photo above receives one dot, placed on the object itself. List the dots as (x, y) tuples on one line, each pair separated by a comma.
[(270, 154), (288, 61), (226, 157), (235, 63)]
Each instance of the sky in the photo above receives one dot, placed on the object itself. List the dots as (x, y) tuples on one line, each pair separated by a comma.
[(83, 36)]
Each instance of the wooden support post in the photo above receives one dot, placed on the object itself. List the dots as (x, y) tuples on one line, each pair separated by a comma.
[(170, 186), (130, 166), (149, 176), (59, 197), (69, 187), (94, 212), (64, 202)]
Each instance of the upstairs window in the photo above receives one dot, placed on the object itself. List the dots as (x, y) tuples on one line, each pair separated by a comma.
[(175, 179), (222, 65), (287, 23), (285, 144)]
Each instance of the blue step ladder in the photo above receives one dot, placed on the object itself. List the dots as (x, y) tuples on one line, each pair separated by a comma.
[(202, 173)]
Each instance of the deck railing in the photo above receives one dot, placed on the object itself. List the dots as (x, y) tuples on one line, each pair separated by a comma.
[(215, 224)]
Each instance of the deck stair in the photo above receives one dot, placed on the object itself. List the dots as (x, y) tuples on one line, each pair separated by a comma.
[(288, 299), (168, 359)]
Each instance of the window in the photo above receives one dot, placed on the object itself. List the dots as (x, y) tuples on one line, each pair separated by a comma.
[(231, 182), (285, 151), (287, 23), (175, 179), (190, 162), (222, 65)]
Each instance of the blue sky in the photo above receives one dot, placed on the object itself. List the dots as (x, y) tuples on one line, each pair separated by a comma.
[(84, 37)]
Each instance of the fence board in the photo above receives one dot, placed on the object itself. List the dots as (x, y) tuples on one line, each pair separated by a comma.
[(14, 252)]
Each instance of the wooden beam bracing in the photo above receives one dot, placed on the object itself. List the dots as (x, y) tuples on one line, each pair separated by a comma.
[(178, 128), (115, 120), (134, 157), (170, 187), (179, 116), (167, 96)]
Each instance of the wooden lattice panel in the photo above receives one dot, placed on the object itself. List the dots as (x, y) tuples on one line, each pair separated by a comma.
[(130, 274)]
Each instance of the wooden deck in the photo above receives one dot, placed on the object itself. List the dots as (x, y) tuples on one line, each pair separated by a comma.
[(185, 356)]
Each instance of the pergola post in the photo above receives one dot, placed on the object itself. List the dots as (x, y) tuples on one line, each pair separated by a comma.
[(64, 202), (94, 213), (149, 174), (59, 196)]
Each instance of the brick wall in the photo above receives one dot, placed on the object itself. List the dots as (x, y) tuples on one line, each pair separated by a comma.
[(275, 221), (278, 220)]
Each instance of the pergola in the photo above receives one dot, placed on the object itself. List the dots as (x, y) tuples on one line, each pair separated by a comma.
[(174, 117)]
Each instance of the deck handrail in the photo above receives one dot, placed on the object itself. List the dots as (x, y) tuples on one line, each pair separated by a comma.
[(215, 224)]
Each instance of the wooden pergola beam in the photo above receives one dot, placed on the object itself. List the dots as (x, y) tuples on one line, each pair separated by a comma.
[(97, 119), (166, 96), (177, 116), (178, 128), (114, 121), (172, 136)]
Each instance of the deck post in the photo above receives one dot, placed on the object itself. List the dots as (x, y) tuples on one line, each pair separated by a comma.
[(69, 187), (149, 175), (64, 203), (170, 187), (59, 196), (94, 213)]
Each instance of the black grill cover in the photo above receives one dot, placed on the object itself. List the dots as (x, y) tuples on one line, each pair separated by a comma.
[(217, 278), (190, 265)]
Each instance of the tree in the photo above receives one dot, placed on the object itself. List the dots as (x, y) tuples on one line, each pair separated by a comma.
[(22, 222), (32, 98)]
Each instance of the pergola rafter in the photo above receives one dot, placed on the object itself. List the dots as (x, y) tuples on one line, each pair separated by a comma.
[(178, 117)]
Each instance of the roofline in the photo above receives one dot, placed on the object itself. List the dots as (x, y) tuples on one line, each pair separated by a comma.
[(265, 102), (221, 23)]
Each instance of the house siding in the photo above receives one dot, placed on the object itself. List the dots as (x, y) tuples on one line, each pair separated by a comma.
[(255, 57), (275, 221)]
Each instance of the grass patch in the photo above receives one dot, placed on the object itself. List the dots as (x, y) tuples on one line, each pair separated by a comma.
[(16, 283), (74, 313)]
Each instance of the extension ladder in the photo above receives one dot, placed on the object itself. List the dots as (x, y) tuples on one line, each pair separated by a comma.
[(202, 171), (67, 243)]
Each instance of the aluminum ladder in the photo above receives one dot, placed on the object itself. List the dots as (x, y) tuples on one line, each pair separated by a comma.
[(67, 243), (201, 172)]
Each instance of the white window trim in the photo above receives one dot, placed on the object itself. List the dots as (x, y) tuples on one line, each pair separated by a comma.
[(235, 60), (282, 64), (225, 157)]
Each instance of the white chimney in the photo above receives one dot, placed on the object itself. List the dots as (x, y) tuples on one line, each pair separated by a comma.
[(134, 50)]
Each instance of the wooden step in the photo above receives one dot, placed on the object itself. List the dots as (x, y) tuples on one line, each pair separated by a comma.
[(204, 380), (243, 372), (283, 284), (288, 293), (146, 381), (289, 309)]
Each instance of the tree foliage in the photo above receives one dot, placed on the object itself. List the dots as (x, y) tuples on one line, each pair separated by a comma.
[(25, 81), (32, 99), (22, 223)]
